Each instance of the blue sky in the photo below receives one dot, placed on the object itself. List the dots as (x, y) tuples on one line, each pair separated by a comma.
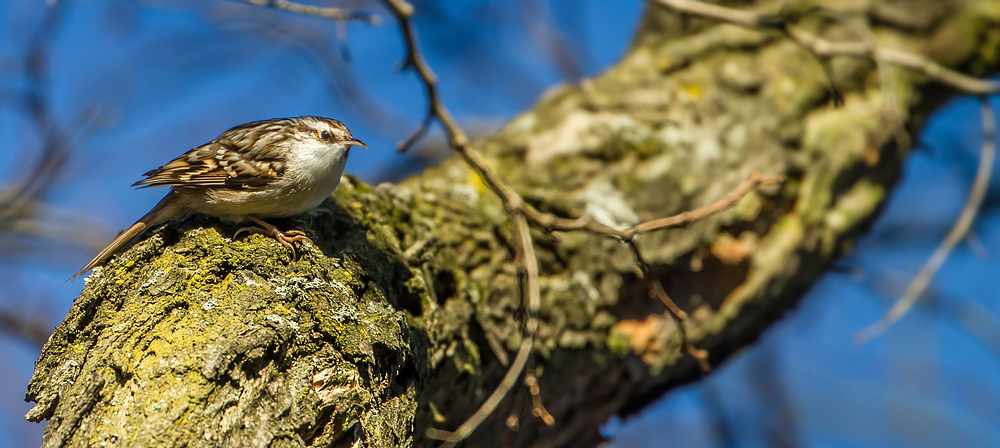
[(166, 76)]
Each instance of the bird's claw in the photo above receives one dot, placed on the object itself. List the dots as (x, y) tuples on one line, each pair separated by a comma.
[(286, 238)]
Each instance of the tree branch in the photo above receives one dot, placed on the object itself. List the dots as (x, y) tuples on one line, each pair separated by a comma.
[(825, 48), (339, 14)]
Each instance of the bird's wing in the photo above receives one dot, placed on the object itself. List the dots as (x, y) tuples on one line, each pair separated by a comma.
[(235, 160)]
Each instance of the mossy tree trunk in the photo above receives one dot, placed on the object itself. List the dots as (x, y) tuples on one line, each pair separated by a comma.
[(406, 311)]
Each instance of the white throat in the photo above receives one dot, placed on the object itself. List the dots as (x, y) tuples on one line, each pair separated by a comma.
[(316, 169)]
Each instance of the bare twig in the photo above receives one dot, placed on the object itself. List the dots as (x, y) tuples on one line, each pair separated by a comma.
[(910, 61), (677, 314), (419, 133), (824, 48), (318, 11), (556, 223), (19, 203), (529, 263), (537, 408), (553, 223), (955, 235), (415, 60), (38, 220), (338, 15)]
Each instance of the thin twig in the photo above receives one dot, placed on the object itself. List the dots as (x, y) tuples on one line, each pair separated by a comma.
[(529, 262), (537, 407), (21, 209), (678, 315), (418, 134), (318, 11), (955, 235), (555, 223), (415, 59), (824, 48)]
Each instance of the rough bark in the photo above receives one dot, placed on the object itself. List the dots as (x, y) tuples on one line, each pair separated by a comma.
[(406, 310)]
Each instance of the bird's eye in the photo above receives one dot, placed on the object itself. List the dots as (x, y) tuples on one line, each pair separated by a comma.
[(325, 135)]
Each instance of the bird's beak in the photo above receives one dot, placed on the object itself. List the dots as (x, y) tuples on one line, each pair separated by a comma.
[(355, 142)]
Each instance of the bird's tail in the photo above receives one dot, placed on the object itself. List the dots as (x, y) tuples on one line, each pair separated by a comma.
[(168, 208)]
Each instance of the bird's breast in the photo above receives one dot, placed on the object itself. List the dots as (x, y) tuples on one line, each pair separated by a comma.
[(313, 175), (310, 177)]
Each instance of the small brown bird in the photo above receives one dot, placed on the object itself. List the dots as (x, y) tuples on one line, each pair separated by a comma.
[(262, 169)]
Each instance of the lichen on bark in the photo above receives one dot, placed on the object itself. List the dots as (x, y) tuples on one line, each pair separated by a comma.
[(203, 341), (406, 313)]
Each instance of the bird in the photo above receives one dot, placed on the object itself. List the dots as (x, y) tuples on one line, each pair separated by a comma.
[(262, 169)]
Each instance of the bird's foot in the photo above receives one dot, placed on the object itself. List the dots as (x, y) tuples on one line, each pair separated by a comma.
[(286, 238)]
